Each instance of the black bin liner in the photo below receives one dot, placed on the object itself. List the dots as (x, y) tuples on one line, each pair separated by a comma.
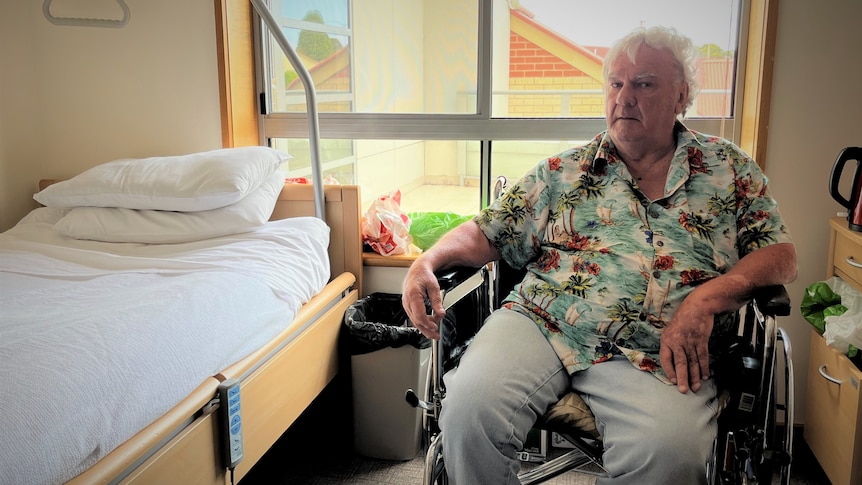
[(378, 321)]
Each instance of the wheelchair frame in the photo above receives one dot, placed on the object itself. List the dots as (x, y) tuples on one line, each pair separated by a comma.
[(748, 445)]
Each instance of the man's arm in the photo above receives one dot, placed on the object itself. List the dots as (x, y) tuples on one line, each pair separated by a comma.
[(684, 355), (466, 245)]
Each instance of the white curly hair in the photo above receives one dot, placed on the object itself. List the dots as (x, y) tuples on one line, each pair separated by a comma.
[(684, 52)]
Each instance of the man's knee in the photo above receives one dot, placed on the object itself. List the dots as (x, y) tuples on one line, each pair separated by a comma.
[(673, 444), (658, 455), (467, 405), (682, 438)]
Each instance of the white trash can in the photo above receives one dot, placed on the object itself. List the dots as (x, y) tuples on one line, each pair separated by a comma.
[(384, 425)]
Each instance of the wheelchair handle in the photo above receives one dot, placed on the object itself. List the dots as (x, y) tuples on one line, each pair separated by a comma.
[(452, 277), (822, 371)]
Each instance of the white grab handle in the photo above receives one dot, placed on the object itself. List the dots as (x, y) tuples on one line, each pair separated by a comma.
[(86, 22), (826, 376)]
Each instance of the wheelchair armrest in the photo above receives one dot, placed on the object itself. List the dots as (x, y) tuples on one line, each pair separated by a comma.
[(773, 300), (451, 277)]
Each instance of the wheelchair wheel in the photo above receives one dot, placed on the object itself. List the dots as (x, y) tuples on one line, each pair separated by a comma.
[(753, 451), (435, 468), (741, 456), (773, 452), (763, 462)]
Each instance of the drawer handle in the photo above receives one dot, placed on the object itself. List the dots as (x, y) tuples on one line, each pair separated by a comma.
[(826, 376), (849, 260)]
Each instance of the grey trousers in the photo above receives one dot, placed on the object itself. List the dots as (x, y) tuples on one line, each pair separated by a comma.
[(510, 375)]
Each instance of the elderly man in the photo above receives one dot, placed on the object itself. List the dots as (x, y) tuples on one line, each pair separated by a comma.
[(637, 246)]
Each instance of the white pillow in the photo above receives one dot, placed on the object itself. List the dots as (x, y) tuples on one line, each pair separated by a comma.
[(111, 224), (185, 183)]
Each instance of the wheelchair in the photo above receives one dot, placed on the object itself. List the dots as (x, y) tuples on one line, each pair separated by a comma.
[(750, 447)]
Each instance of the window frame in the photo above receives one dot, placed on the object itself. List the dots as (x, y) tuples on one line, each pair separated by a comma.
[(265, 50), (243, 124)]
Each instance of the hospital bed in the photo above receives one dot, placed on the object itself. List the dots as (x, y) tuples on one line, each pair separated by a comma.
[(112, 353)]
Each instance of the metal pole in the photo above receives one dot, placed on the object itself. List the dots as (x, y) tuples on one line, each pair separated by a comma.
[(310, 101)]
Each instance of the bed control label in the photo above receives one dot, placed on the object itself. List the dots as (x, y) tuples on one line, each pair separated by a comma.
[(231, 422)]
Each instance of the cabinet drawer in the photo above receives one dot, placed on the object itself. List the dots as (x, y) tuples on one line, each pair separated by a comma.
[(833, 415), (848, 259)]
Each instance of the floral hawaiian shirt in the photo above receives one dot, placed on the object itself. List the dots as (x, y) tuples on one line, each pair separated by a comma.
[(607, 268)]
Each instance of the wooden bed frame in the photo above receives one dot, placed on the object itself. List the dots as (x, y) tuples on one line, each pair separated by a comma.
[(277, 382)]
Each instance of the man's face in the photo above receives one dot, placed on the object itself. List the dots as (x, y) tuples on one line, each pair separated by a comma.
[(644, 99)]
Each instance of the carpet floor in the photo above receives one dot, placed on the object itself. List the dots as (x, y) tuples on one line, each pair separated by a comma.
[(277, 468), (314, 452)]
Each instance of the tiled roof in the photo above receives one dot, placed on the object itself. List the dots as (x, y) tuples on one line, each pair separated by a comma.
[(582, 59)]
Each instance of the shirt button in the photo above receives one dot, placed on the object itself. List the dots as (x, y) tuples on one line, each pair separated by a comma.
[(659, 243), (656, 274), (642, 316), (654, 214)]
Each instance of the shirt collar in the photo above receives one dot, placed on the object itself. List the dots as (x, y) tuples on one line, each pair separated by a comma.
[(606, 152)]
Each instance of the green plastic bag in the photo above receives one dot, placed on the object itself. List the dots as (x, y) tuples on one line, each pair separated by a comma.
[(819, 302), (428, 227)]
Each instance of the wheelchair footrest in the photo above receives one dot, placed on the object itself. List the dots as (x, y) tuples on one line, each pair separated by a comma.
[(528, 457), (559, 465)]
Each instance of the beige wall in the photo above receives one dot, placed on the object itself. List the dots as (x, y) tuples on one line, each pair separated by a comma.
[(17, 120), (816, 111), (71, 98), (74, 97)]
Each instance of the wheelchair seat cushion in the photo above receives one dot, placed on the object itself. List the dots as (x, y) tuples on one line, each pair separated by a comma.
[(570, 415)]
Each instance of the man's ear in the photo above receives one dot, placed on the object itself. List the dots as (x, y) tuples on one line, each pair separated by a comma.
[(683, 97)]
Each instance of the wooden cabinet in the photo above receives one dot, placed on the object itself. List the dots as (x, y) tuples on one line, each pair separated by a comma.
[(833, 417), (384, 274), (833, 406)]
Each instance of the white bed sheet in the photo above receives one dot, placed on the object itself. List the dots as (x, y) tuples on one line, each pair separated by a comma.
[(97, 340)]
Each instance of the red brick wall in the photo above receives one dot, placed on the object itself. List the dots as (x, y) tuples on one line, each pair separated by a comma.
[(533, 68), (526, 59)]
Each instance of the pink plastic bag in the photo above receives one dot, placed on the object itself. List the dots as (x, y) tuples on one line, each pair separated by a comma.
[(385, 227)]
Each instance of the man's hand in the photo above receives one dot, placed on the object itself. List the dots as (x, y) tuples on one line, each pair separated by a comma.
[(419, 284), (684, 355), (466, 245), (684, 352)]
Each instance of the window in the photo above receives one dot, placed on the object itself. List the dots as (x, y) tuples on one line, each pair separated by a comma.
[(443, 96), (375, 56), (319, 31)]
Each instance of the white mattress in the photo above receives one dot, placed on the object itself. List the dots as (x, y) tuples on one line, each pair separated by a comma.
[(97, 340)]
